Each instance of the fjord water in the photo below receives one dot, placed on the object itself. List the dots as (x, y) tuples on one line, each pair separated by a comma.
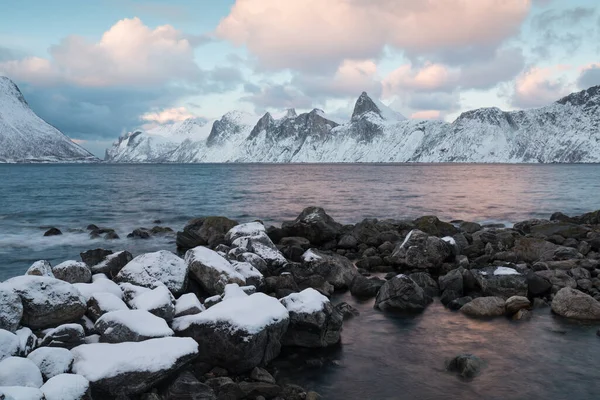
[(382, 356)]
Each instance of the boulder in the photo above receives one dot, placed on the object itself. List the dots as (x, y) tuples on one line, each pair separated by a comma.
[(401, 294), (530, 249), (66, 336), (131, 326), (313, 224), (67, 387), (53, 232), (162, 266), (261, 245), (484, 307), (314, 322), (100, 284), (101, 303), (9, 344), (347, 310), (72, 272), (132, 368), (431, 225), (452, 281), (537, 284), (211, 270), (112, 263), (40, 268), (244, 230), (11, 309), (254, 260), (188, 304), (427, 283), (52, 361), (515, 303), (47, 301), (158, 301), (95, 256), (27, 341), (17, 371), (466, 365), (21, 393), (239, 333), (187, 387), (335, 269), (364, 287), (558, 278), (252, 276), (501, 281), (205, 231), (421, 251), (572, 303)]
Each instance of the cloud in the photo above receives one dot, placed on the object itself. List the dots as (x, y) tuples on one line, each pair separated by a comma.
[(129, 53), (590, 76), (538, 87), (503, 66), (278, 96), (428, 114), (167, 115), (317, 35), (430, 78)]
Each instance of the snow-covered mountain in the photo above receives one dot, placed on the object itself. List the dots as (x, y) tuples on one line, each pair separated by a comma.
[(565, 131), (25, 137)]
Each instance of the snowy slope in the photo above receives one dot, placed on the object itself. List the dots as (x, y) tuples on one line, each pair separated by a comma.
[(25, 137), (565, 131)]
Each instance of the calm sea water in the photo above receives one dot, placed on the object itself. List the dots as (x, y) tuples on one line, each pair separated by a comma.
[(382, 356)]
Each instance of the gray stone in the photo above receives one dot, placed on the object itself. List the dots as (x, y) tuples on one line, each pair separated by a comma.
[(335, 269), (187, 387), (516, 303), (11, 309), (262, 375), (572, 303), (313, 224), (364, 287), (401, 294), (72, 272), (484, 307), (466, 365), (421, 251)]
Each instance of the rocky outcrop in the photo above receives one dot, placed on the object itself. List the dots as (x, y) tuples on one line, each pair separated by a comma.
[(419, 251), (313, 224)]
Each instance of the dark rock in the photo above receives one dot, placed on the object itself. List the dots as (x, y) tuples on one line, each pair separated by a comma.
[(93, 257), (538, 285), (421, 251), (466, 365), (187, 387), (313, 224), (347, 310), (53, 232), (564, 229), (470, 227), (295, 241), (453, 281), (364, 287), (493, 283), (140, 233), (515, 303), (433, 226), (112, 264), (484, 307), (92, 227), (449, 296), (457, 304), (66, 336), (335, 269), (254, 389), (225, 388), (204, 231), (559, 279), (111, 236), (426, 282), (401, 294), (347, 242), (262, 375)]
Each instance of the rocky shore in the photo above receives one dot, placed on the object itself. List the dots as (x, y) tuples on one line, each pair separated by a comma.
[(207, 323)]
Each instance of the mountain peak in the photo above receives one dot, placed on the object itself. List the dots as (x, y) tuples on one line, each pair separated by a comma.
[(290, 113), (579, 98), (364, 105)]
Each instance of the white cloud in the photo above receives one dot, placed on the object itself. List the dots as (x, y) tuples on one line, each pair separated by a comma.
[(167, 115), (538, 87)]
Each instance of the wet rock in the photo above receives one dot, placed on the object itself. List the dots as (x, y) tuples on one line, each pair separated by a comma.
[(466, 365), (140, 233), (421, 251), (204, 231), (538, 285), (313, 224), (335, 269), (187, 387), (262, 375), (72, 272), (111, 236), (451, 286), (516, 303), (484, 307), (501, 281), (347, 310), (347, 242), (364, 287), (401, 294), (426, 282), (559, 279), (53, 232), (530, 249), (93, 257), (252, 390), (572, 303), (457, 304)]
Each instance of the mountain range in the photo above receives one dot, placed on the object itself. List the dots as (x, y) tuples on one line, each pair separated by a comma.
[(25, 137), (566, 131)]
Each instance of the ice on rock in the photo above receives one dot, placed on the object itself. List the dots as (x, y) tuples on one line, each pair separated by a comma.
[(17, 371), (66, 387), (248, 229), (52, 361), (162, 266), (307, 301), (21, 393), (188, 304), (212, 270), (131, 325), (9, 344), (127, 368)]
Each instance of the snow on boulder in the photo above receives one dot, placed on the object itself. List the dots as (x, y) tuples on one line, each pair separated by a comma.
[(314, 322), (52, 361), (162, 266), (73, 272), (101, 303), (11, 309), (503, 282), (27, 341), (261, 245), (251, 275), (132, 368), (239, 333), (40, 268), (47, 301), (211, 270), (112, 263), (335, 269), (17, 371), (67, 387), (131, 326), (158, 301), (9, 344), (21, 393), (67, 336), (248, 229), (188, 304), (130, 292), (100, 284)]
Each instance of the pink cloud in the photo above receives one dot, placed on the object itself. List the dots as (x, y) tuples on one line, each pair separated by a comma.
[(317, 34), (167, 115), (428, 114), (431, 77), (538, 87)]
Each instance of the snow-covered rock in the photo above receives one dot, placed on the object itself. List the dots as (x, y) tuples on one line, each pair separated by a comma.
[(158, 301), (132, 368), (73, 272), (40, 268), (261, 245), (247, 229), (52, 361), (21, 393), (252, 276), (314, 322), (17, 371), (67, 387), (112, 263), (100, 284), (239, 333), (564, 131), (101, 303), (11, 309), (131, 326), (47, 301), (212, 270), (9, 344), (162, 266), (188, 304), (25, 137), (67, 336), (27, 341)]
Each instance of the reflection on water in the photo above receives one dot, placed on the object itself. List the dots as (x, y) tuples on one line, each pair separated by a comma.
[(386, 356), (125, 197)]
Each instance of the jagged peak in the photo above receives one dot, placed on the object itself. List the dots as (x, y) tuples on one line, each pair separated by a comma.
[(582, 97), (364, 104), (8, 88), (290, 113)]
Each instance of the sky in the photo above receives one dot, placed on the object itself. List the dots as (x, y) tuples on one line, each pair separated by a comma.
[(100, 68)]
